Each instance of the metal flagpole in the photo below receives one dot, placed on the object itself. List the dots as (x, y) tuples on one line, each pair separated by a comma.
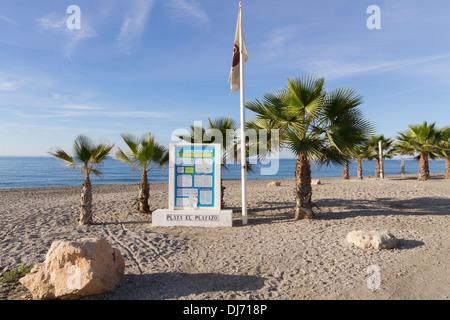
[(380, 150), (243, 149)]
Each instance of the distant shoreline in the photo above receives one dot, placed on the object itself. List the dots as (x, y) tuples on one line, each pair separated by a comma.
[(433, 176)]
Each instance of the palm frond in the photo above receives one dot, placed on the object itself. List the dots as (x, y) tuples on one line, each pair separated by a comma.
[(101, 152), (131, 141), (123, 157), (421, 138), (144, 152), (83, 148), (87, 155), (62, 155)]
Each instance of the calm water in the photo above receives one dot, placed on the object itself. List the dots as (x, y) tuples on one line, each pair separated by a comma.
[(31, 172)]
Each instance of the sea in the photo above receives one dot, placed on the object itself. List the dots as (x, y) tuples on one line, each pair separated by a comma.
[(36, 172)]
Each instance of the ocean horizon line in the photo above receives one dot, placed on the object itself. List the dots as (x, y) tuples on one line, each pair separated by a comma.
[(35, 172)]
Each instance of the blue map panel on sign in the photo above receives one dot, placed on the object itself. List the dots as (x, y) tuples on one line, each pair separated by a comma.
[(194, 176)]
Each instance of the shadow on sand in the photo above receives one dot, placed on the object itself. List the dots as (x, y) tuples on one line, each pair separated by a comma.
[(272, 211)]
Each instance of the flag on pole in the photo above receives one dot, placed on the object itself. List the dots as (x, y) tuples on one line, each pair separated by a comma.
[(234, 78)]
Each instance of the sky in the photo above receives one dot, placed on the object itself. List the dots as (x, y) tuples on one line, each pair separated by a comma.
[(158, 66)]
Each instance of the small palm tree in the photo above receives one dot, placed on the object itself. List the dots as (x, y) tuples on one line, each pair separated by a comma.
[(145, 154), (422, 139), (315, 125), (87, 156), (388, 150), (362, 153)]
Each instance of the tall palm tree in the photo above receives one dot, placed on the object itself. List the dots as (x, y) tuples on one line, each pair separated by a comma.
[(362, 153), (87, 156), (315, 125), (422, 139), (388, 150), (145, 154)]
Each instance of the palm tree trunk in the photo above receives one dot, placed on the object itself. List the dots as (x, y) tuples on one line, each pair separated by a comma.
[(424, 172), (377, 167), (303, 209), (345, 174), (222, 193), (86, 203), (447, 167), (144, 194), (360, 170)]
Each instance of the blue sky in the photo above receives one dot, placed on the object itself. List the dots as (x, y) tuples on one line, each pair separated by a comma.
[(159, 65)]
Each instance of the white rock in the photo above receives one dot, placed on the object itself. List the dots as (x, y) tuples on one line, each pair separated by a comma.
[(372, 239), (75, 269)]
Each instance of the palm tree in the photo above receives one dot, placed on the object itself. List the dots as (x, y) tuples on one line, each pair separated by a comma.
[(87, 156), (218, 132), (220, 126), (346, 171), (445, 149), (362, 153), (422, 139), (145, 154), (388, 150), (315, 125)]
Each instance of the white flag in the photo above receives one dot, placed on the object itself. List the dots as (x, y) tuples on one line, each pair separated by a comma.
[(234, 78)]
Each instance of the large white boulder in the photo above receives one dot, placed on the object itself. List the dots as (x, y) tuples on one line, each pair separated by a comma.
[(75, 269)]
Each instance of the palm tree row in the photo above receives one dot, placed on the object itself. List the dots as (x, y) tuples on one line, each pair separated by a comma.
[(319, 126), (144, 153), (423, 141)]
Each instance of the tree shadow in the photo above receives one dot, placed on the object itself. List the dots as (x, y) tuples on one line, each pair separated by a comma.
[(272, 211), (384, 207), (433, 176), (174, 285)]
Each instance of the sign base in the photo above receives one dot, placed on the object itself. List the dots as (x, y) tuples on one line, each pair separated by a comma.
[(192, 218)]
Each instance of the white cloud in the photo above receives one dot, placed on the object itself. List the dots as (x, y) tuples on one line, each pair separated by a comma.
[(74, 111), (187, 10), (58, 24), (332, 69), (14, 82), (133, 25), (77, 95), (7, 126), (6, 19), (82, 107), (53, 22), (281, 43)]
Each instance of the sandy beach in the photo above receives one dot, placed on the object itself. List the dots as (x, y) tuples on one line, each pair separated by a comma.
[(272, 257)]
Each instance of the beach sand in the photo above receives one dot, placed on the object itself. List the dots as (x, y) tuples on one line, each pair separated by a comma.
[(272, 257)]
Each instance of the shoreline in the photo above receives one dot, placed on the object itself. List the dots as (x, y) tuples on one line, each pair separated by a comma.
[(387, 177), (273, 257)]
